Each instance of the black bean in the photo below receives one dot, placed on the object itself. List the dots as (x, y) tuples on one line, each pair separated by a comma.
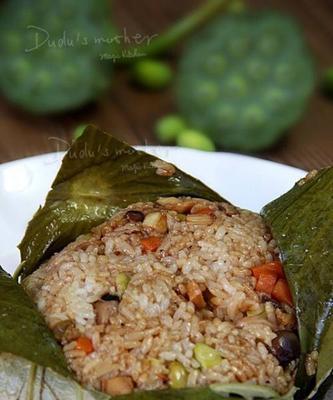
[(135, 216), (286, 347), (110, 297)]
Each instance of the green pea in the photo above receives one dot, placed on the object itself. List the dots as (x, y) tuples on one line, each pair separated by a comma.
[(168, 128), (152, 74), (79, 130), (177, 375), (196, 140), (122, 281), (207, 356)]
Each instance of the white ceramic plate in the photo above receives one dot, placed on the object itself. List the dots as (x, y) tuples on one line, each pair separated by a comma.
[(247, 182)]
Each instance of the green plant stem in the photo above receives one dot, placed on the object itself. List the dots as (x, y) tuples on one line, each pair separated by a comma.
[(180, 30)]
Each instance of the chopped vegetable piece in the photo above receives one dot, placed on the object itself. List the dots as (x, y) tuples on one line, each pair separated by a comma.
[(281, 292), (181, 217), (172, 203), (274, 267), (155, 362), (195, 140), (258, 311), (266, 283), (195, 294), (152, 74), (205, 210), (168, 128), (151, 243), (157, 221), (122, 281), (199, 219), (118, 385), (85, 344), (104, 310), (207, 356), (177, 375), (163, 168)]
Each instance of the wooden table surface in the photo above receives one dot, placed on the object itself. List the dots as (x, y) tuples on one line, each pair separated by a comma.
[(130, 114)]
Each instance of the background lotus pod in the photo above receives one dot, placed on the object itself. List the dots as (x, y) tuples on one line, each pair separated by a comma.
[(245, 78), (51, 53)]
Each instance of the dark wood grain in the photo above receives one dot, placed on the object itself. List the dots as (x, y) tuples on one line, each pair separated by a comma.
[(130, 113)]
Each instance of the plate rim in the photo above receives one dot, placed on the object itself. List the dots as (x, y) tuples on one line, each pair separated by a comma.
[(165, 148)]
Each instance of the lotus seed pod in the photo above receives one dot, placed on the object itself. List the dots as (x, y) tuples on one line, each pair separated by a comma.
[(51, 53), (245, 79)]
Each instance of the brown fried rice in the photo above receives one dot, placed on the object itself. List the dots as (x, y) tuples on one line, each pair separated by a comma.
[(131, 301)]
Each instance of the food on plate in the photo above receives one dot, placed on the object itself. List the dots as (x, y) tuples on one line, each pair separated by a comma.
[(166, 294), (147, 284)]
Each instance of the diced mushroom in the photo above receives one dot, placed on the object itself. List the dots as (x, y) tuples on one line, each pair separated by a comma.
[(286, 320), (195, 294), (118, 385), (104, 310)]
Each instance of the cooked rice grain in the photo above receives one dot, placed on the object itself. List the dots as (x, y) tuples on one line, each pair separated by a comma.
[(154, 323)]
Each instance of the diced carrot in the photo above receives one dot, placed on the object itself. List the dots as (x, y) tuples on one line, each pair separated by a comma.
[(151, 243), (195, 294), (85, 344), (205, 210), (274, 267), (266, 283), (281, 292)]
